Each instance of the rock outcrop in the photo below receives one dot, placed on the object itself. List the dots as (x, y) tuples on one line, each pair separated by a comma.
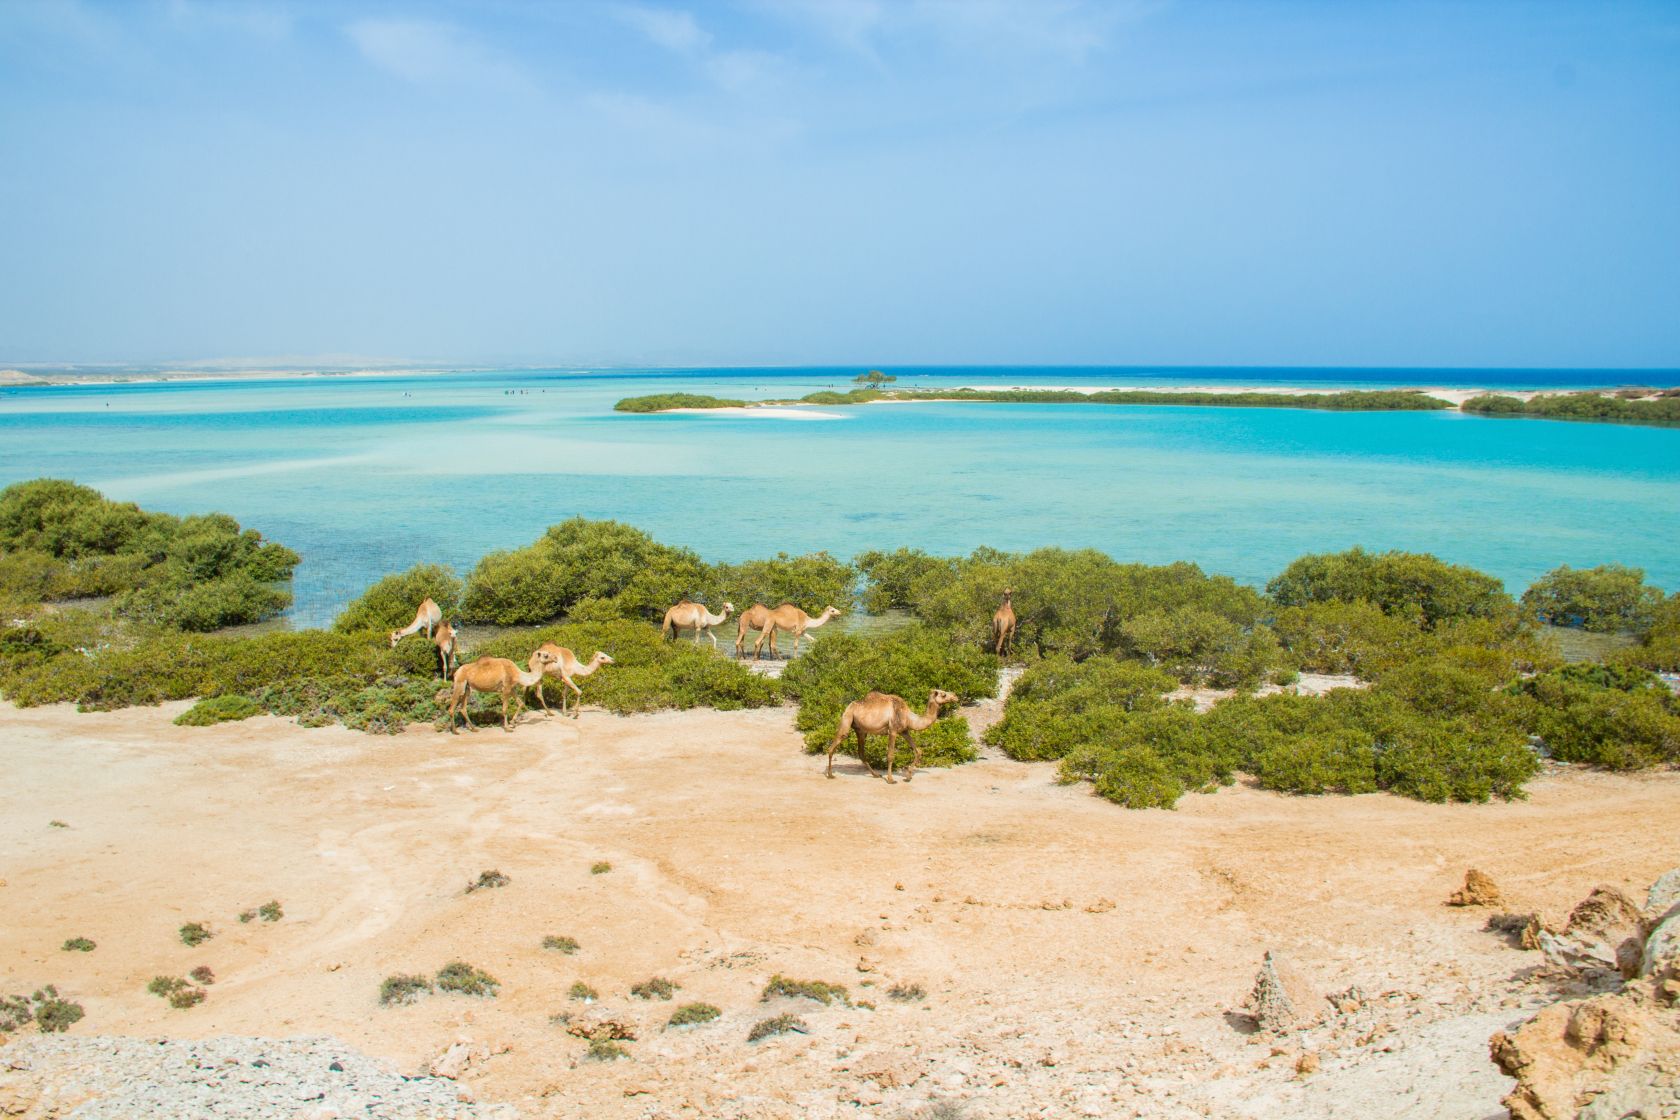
[(1478, 890), (1282, 998), (1614, 1056)]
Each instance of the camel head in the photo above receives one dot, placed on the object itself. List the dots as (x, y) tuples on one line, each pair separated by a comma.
[(1007, 592), (396, 636), (728, 606), (830, 612), (600, 659), (941, 698), (542, 659)]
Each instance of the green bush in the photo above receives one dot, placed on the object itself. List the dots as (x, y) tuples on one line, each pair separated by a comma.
[(1345, 637), (909, 663), (811, 582), (578, 561), (1610, 716), (664, 402), (391, 602), (51, 1013), (892, 578), (1605, 599), (1199, 647), (459, 976), (1665, 409), (1410, 585), (1341, 761), (218, 709), (1058, 704), (693, 1014)]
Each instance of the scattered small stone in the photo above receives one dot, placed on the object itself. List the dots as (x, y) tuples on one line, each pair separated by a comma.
[(1478, 890)]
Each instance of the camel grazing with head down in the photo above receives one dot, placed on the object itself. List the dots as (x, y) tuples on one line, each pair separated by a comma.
[(881, 713), (1003, 624), (494, 674), (428, 616), (785, 617), (447, 647), (564, 664), (693, 616)]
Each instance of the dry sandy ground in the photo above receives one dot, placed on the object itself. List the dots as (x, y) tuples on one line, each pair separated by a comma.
[(1078, 959)]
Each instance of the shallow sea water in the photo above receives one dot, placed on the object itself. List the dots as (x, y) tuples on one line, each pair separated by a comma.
[(368, 475)]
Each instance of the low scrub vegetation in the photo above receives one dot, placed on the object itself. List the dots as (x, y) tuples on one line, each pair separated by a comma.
[(693, 1014), (656, 988), (582, 992), (566, 945), (1605, 599), (391, 602), (780, 1024), (50, 1012), (403, 988), (488, 880), (665, 402), (1664, 408), (79, 945), (219, 709), (194, 934), (463, 978), (819, 990)]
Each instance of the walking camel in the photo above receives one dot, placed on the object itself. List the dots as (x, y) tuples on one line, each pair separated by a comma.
[(1003, 624), (882, 713), (428, 616), (693, 616), (494, 674), (785, 617), (564, 664)]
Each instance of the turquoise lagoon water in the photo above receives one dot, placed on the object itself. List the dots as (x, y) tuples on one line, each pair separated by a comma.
[(368, 475)]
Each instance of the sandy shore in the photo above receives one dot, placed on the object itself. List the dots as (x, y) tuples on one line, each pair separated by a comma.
[(1078, 959)]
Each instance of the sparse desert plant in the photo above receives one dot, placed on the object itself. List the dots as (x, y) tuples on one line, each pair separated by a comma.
[(194, 934), (165, 986), (692, 1014), (606, 1050), (270, 911), (185, 998), (781, 1024), (819, 990), (50, 1013), (907, 993), (403, 988), (202, 975), (459, 976), (656, 988), (219, 709), (79, 945), (560, 944), (247, 916), (600, 868), (57, 824), (582, 991), (488, 880)]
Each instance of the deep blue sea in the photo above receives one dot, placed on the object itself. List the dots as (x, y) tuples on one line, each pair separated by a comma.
[(370, 474)]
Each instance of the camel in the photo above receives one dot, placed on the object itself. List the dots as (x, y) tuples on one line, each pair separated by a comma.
[(447, 647), (1003, 624), (785, 617), (428, 616), (881, 713), (494, 674), (686, 615), (564, 664)]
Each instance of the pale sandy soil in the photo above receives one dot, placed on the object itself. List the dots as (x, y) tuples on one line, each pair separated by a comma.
[(1079, 959)]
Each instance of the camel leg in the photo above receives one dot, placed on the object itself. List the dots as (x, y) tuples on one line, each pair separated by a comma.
[(506, 698), (576, 700), (548, 713), (863, 755), (915, 755), (840, 734), (892, 749), (758, 646)]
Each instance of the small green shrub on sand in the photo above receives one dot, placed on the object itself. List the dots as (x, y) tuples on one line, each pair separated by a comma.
[(600, 868), (403, 988), (781, 1024), (50, 1012), (79, 945), (488, 880), (271, 911), (605, 1050), (202, 975), (818, 990), (907, 993), (691, 1014), (194, 934), (165, 986), (560, 944), (656, 988), (583, 992), (218, 709), (458, 976), (184, 998)]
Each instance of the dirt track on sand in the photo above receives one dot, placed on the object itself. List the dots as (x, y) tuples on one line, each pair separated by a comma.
[(1078, 959)]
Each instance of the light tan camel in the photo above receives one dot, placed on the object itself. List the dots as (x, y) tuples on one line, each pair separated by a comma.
[(785, 617), (1003, 624), (447, 647), (494, 674), (882, 713), (564, 664), (693, 616), (428, 616)]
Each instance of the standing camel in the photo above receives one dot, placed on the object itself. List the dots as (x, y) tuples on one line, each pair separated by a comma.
[(564, 664), (447, 647), (785, 617), (882, 713), (493, 674), (428, 616), (686, 615), (1003, 625)]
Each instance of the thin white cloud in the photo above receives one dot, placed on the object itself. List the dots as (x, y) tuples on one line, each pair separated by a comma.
[(429, 52), (672, 28), (262, 21)]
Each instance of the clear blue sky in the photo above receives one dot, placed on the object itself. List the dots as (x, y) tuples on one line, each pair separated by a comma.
[(808, 181)]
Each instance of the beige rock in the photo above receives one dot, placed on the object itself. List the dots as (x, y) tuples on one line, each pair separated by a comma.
[(1589, 1058), (1605, 930), (1478, 890), (602, 1023), (1282, 998)]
